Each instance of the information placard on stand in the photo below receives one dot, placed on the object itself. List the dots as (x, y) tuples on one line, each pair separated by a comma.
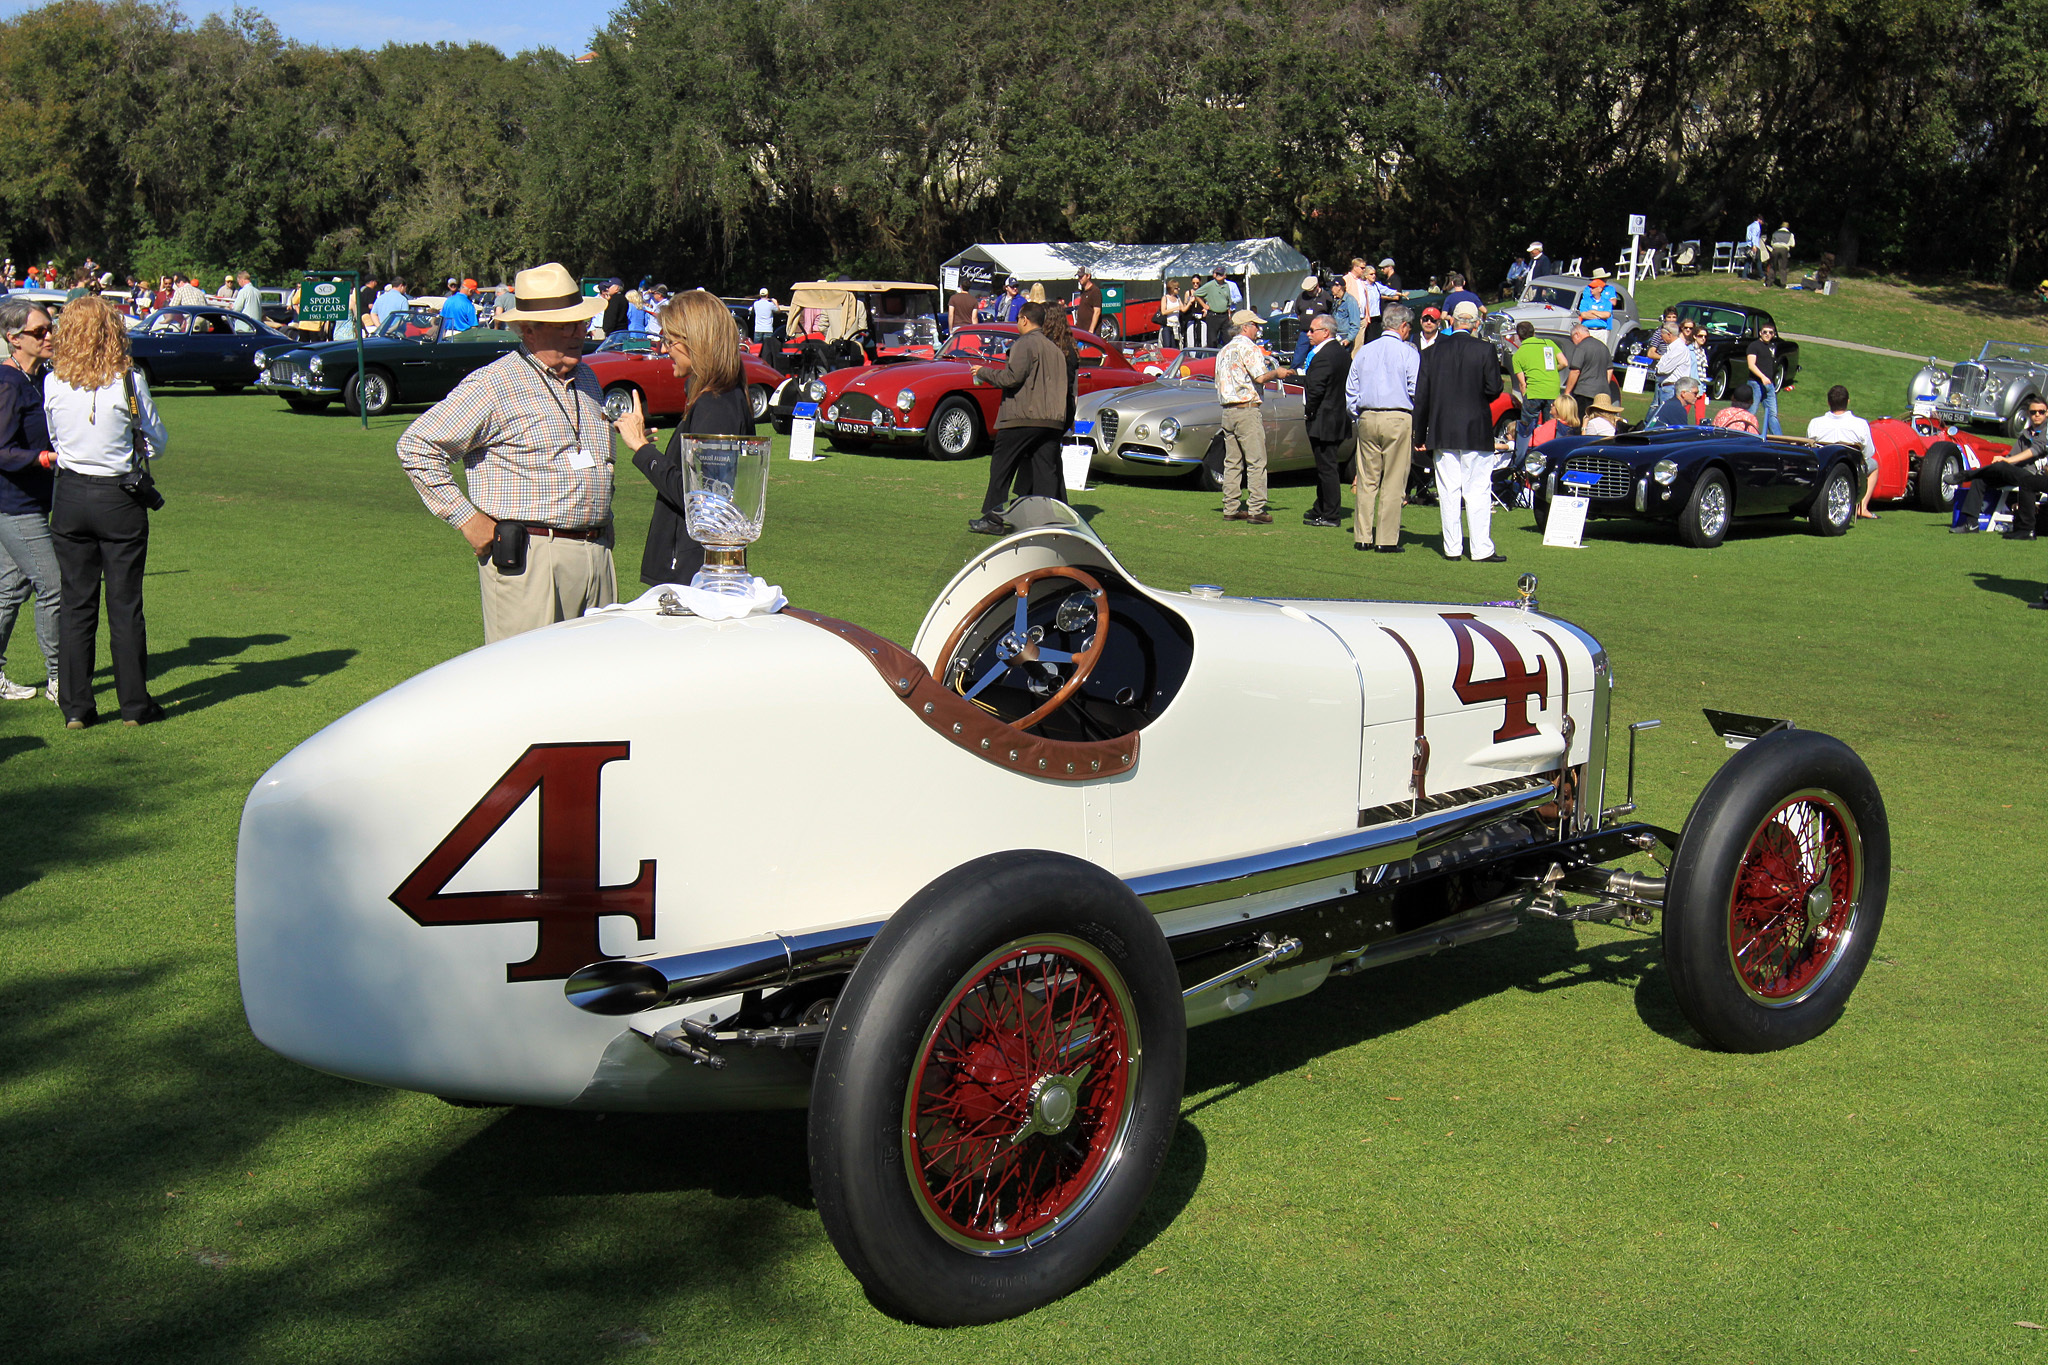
[(1566, 525), (803, 432)]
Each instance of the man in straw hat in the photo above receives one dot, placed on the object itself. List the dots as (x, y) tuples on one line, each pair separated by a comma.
[(531, 431), (1241, 370)]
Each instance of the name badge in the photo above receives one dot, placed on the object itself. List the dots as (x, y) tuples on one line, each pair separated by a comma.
[(581, 459)]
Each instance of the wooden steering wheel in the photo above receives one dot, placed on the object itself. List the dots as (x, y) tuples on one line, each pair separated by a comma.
[(1021, 643)]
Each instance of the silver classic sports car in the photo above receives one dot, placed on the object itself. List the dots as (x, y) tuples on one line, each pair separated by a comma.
[(1175, 427), (1547, 304), (1991, 390)]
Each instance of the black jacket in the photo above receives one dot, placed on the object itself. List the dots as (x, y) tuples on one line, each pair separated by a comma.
[(1329, 369), (1459, 380), (615, 321), (671, 556), (25, 486)]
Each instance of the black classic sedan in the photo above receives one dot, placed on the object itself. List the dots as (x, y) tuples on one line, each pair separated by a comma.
[(201, 345), (1729, 328), (1700, 478), (410, 360)]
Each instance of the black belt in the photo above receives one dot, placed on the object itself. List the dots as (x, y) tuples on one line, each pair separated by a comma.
[(556, 533), (1409, 411), (92, 478)]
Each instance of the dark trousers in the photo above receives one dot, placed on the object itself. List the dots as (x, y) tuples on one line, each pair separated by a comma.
[(2004, 474), (1372, 331), (1029, 457), (100, 532), (1329, 475)]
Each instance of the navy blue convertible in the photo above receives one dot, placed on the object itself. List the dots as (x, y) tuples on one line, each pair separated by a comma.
[(1700, 478)]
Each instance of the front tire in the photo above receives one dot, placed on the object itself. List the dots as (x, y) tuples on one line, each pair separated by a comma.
[(757, 401), (1777, 892), (1704, 522), (1210, 475), (955, 430), (369, 392), (1941, 469), (998, 1089), (1834, 507)]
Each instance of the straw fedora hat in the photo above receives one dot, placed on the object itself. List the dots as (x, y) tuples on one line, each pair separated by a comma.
[(1603, 402), (548, 293)]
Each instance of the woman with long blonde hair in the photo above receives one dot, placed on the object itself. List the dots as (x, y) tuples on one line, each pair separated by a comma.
[(103, 429), (703, 344)]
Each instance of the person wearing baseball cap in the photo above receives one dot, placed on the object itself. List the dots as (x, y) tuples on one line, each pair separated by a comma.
[(530, 429), (1454, 393), (458, 310), (1431, 324), (615, 305)]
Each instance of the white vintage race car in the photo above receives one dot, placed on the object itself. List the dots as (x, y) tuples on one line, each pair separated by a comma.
[(964, 900)]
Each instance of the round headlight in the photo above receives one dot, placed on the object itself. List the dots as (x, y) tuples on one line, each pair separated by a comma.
[(1533, 462), (1169, 429), (1142, 430), (317, 367), (832, 413), (906, 399), (815, 390), (1664, 472)]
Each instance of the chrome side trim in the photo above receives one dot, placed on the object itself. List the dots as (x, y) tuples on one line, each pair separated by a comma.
[(1588, 818), (628, 985), (1387, 843)]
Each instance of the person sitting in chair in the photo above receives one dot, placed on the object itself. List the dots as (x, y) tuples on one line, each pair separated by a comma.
[(2022, 469)]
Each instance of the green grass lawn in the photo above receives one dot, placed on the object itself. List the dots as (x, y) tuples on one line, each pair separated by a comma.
[(1511, 1152)]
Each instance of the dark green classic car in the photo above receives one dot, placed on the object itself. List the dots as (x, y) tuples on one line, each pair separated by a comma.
[(408, 361)]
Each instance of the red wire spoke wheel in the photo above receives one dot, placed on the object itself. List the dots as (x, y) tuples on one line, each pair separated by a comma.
[(1777, 892), (998, 1088), (1021, 1094), (1793, 910)]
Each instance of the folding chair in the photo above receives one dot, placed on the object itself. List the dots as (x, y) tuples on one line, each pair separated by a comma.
[(1724, 257), (1576, 267)]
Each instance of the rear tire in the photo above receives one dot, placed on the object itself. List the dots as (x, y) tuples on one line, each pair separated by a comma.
[(1704, 522), (1941, 469), (1777, 892), (1834, 506), (757, 401), (955, 430), (2016, 425), (998, 1089)]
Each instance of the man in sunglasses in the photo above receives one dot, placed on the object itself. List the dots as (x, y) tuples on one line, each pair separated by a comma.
[(2024, 469)]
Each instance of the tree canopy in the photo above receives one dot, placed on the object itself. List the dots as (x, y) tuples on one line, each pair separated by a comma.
[(755, 141)]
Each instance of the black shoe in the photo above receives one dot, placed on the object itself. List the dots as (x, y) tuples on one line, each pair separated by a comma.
[(989, 526), (2041, 605), (1356, 546), (1386, 549), (149, 715), (2017, 535), (1313, 519), (1490, 559), (1964, 530), (81, 722)]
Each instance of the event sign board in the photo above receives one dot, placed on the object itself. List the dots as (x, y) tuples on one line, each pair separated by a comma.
[(324, 299), (1566, 526)]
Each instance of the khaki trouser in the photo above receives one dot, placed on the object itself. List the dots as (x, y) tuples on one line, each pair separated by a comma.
[(1244, 458), (563, 579), (1384, 441)]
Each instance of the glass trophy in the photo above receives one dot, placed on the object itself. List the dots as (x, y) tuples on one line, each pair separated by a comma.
[(725, 500)]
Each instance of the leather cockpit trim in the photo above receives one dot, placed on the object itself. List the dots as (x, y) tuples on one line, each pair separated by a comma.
[(954, 718)]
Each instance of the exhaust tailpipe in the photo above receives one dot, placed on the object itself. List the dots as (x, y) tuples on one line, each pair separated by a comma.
[(632, 985)]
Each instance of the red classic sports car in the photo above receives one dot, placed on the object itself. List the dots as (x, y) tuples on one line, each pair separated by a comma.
[(1921, 459), (627, 364), (937, 401)]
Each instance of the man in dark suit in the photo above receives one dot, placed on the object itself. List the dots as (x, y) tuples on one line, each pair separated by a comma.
[(1454, 393), (1329, 424)]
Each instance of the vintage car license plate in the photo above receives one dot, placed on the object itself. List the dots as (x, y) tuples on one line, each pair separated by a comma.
[(845, 425), (1581, 478)]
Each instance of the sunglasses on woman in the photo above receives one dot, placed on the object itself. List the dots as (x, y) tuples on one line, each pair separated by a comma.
[(37, 332)]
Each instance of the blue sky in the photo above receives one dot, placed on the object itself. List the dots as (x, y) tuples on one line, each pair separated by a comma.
[(510, 25)]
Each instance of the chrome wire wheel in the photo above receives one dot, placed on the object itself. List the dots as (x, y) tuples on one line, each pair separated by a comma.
[(1022, 1094), (954, 431), (1713, 517), (1841, 500), (1792, 913), (373, 392), (618, 401)]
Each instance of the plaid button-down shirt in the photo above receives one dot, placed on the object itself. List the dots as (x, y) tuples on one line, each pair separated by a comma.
[(515, 428)]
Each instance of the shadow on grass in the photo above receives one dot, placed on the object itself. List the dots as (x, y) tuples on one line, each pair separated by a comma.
[(15, 745), (2025, 589), (243, 677), (69, 831)]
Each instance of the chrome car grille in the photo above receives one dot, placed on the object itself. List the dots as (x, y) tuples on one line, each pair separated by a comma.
[(1967, 384), (1105, 427), (1616, 478), (285, 372), (857, 407)]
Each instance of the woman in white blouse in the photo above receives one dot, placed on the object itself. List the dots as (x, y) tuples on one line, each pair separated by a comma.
[(97, 406)]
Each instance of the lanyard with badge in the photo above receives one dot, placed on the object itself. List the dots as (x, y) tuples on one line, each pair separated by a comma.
[(579, 455)]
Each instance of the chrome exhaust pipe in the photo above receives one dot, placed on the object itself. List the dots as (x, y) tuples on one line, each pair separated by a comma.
[(632, 985)]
